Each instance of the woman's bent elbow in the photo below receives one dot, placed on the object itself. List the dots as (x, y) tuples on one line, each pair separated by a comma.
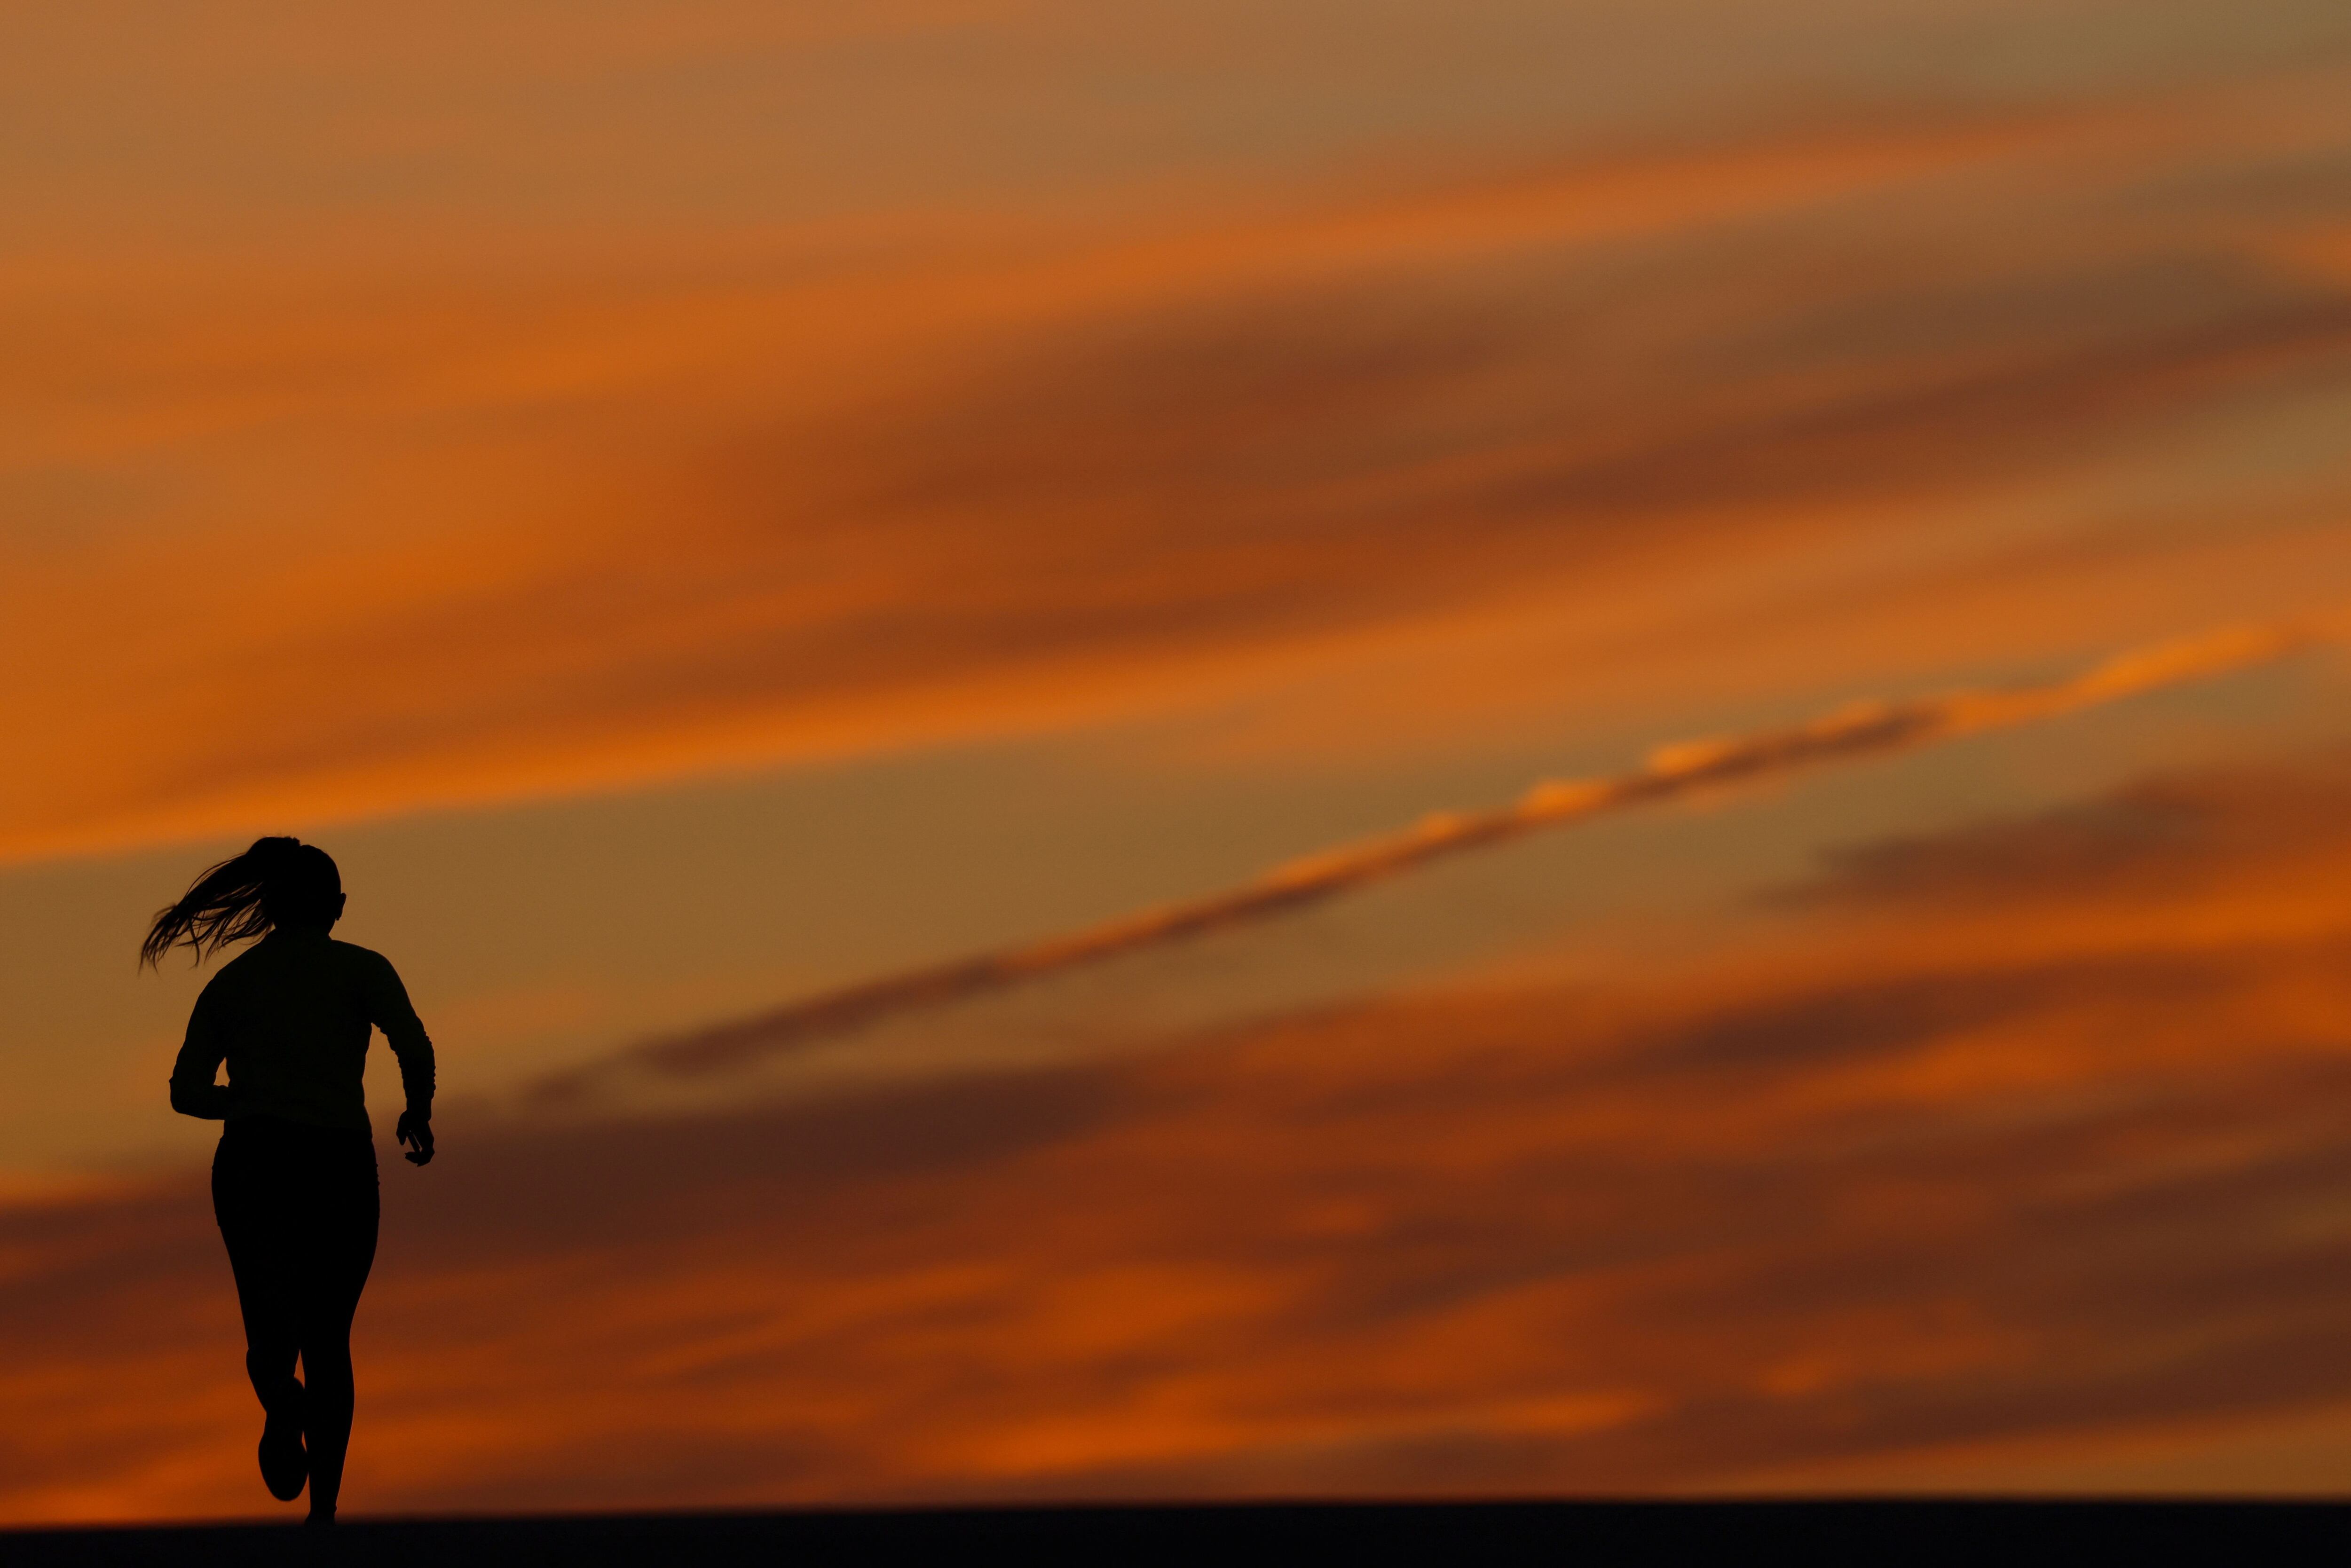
[(202, 1101)]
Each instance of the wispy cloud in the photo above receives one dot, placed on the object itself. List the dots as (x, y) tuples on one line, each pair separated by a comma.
[(1852, 733), (346, 546)]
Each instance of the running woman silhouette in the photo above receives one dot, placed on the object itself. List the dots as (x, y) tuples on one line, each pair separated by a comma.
[(294, 1181)]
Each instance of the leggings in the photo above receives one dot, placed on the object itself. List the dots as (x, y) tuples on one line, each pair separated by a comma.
[(297, 1209)]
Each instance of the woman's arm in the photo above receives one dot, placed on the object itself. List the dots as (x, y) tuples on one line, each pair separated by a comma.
[(194, 1092), (390, 1010)]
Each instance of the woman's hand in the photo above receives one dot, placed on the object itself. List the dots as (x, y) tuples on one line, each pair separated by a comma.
[(415, 1128)]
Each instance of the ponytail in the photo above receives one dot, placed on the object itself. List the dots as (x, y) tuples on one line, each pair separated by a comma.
[(278, 881)]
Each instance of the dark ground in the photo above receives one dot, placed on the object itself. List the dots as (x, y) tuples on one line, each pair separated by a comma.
[(1893, 1532)]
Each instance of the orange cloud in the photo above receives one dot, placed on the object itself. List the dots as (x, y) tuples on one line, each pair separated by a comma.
[(328, 548), (2018, 1135)]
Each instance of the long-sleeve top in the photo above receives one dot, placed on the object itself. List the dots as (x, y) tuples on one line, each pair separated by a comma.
[(290, 1014)]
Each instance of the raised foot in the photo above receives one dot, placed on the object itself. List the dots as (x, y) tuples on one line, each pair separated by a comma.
[(285, 1466)]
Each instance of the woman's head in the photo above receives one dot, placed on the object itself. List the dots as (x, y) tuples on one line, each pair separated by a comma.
[(278, 884)]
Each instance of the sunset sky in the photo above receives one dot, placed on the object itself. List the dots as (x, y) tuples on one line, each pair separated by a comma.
[(702, 505)]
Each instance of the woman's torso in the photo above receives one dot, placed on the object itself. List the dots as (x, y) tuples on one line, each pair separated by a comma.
[(292, 1020)]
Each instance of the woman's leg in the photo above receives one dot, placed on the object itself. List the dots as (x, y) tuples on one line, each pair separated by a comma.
[(249, 1205), (341, 1250)]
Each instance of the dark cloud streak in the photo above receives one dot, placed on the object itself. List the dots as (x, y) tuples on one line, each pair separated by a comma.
[(1854, 732)]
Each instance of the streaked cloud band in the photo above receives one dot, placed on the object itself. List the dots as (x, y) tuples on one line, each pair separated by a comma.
[(1851, 732)]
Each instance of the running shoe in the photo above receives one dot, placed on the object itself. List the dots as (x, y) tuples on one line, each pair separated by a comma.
[(285, 1466)]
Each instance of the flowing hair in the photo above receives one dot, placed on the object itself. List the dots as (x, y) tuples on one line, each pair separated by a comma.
[(278, 881)]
